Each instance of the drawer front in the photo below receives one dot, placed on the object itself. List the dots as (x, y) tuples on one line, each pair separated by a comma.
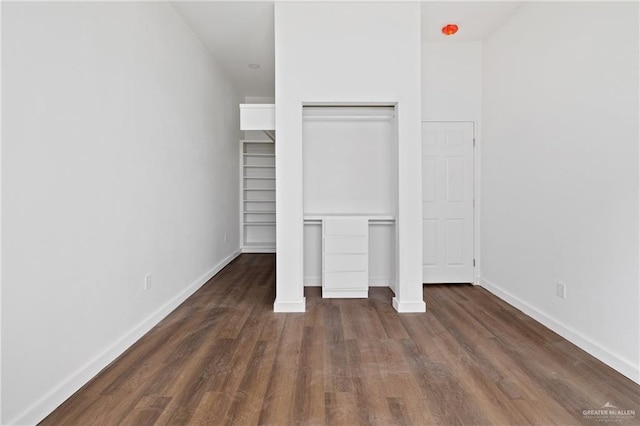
[(345, 262), (345, 280), (346, 226), (346, 245)]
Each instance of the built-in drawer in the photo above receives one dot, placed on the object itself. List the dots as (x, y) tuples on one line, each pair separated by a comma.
[(344, 280), (345, 258), (345, 262), (346, 245)]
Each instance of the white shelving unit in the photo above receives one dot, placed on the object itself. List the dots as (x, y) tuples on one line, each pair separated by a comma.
[(345, 256), (258, 196)]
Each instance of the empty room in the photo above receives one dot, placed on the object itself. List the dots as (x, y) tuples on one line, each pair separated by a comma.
[(319, 212)]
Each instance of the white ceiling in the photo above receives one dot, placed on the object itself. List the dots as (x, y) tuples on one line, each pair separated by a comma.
[(239, 33)]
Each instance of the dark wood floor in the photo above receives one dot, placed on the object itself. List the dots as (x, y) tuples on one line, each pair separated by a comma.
[(223, 357)]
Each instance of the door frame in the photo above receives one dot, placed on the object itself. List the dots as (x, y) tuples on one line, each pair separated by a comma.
[(476, 192)]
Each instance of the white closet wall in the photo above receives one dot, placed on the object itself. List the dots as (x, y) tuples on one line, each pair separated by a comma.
[(363, 57), (349, 160)]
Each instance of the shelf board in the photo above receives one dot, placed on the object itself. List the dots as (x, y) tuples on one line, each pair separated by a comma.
[(259, 178), (262, 212), (258, 189), (258, 167), (259, 201), (369, 216), (259, 223), (257, 154), (256, 141)]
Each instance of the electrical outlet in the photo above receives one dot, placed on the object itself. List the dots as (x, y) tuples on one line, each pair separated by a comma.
[(561, 290), (147, 282)]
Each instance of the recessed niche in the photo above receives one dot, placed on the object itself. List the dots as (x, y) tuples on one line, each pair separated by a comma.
[(349, 160)]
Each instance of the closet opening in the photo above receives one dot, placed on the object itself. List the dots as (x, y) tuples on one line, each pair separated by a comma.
[(350, 197)]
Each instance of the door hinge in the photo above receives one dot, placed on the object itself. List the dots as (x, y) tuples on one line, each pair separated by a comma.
[(474, 263), (474, 141)]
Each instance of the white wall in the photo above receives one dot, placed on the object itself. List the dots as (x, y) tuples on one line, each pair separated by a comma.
[(119, 159), (346, 52), (560, 172), (451, 80)]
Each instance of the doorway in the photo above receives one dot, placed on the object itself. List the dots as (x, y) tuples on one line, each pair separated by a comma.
[(447, 202)]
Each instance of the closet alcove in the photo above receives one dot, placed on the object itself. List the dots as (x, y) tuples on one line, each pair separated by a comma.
[(350, 182)]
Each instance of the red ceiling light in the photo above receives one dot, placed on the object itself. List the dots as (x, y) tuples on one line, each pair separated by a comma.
[(449, 29)]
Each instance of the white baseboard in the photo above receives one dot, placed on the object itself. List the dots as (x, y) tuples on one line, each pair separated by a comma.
[(417, 306), (43, 407), (619, 364), (258, 249), (373, 282), (289, 306), (379, 282)]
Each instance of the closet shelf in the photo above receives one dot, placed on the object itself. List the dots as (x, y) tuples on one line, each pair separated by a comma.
[(372, 217), (257, 159), (252, 141)]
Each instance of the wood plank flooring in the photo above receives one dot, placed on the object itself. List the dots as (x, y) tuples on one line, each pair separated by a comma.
[(223, 357)]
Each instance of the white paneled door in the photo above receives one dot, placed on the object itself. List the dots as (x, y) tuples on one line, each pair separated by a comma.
[(447, 202)]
